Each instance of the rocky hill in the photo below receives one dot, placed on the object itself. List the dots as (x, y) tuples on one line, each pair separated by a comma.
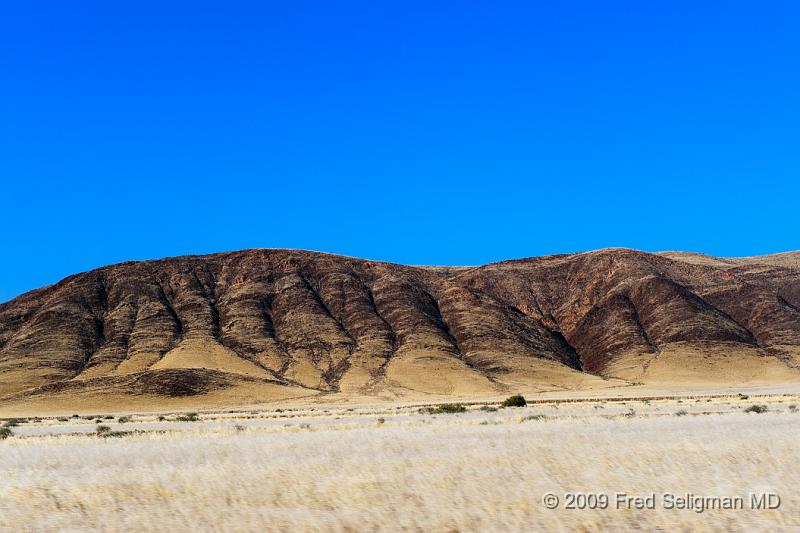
[(269, 324)]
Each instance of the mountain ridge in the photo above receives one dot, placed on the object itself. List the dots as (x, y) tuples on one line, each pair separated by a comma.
[(316, 323)]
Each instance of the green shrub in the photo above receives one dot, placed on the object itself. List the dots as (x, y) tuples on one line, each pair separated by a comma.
[(102, 430), (758, 409), (451, 408), (123, 419), (5, 433), (681, 413), (188, 417), (743, 396), (443, 408), (488, 408), (14, 422), (515, 401), (161, 418)]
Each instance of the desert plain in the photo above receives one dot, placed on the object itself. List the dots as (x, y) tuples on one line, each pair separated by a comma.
[(388, 467)]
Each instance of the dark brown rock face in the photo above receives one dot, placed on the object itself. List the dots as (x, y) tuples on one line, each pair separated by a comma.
[(333, 323)]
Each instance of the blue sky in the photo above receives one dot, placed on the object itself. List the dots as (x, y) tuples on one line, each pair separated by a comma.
[(416, 132)]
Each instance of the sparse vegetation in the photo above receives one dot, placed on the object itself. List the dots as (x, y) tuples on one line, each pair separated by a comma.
[(515, 401), (464, 454), (535, 417), (105, 432), (743, 396), (124, 419), (5, 433), (447, 408), (188, 417), (756, 409), (13, 422)]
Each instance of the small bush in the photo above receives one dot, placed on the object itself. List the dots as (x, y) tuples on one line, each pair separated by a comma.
[(14, 422), (5, 433), (488, 408), (105, 432), (451, 408), (793, 407), (188, 417), (758, 409), (681, 413), (380, 421), (123, 419), (161, 418), (515, 401), (743, 396), (444, 408), (63, 419)]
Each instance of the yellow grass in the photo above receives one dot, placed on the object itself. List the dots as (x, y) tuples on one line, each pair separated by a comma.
[(341, 469)]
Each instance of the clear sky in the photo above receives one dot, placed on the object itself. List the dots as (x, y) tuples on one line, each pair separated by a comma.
[(416, 132)]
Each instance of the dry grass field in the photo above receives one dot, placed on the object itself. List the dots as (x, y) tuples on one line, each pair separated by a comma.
[(337, 468)]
